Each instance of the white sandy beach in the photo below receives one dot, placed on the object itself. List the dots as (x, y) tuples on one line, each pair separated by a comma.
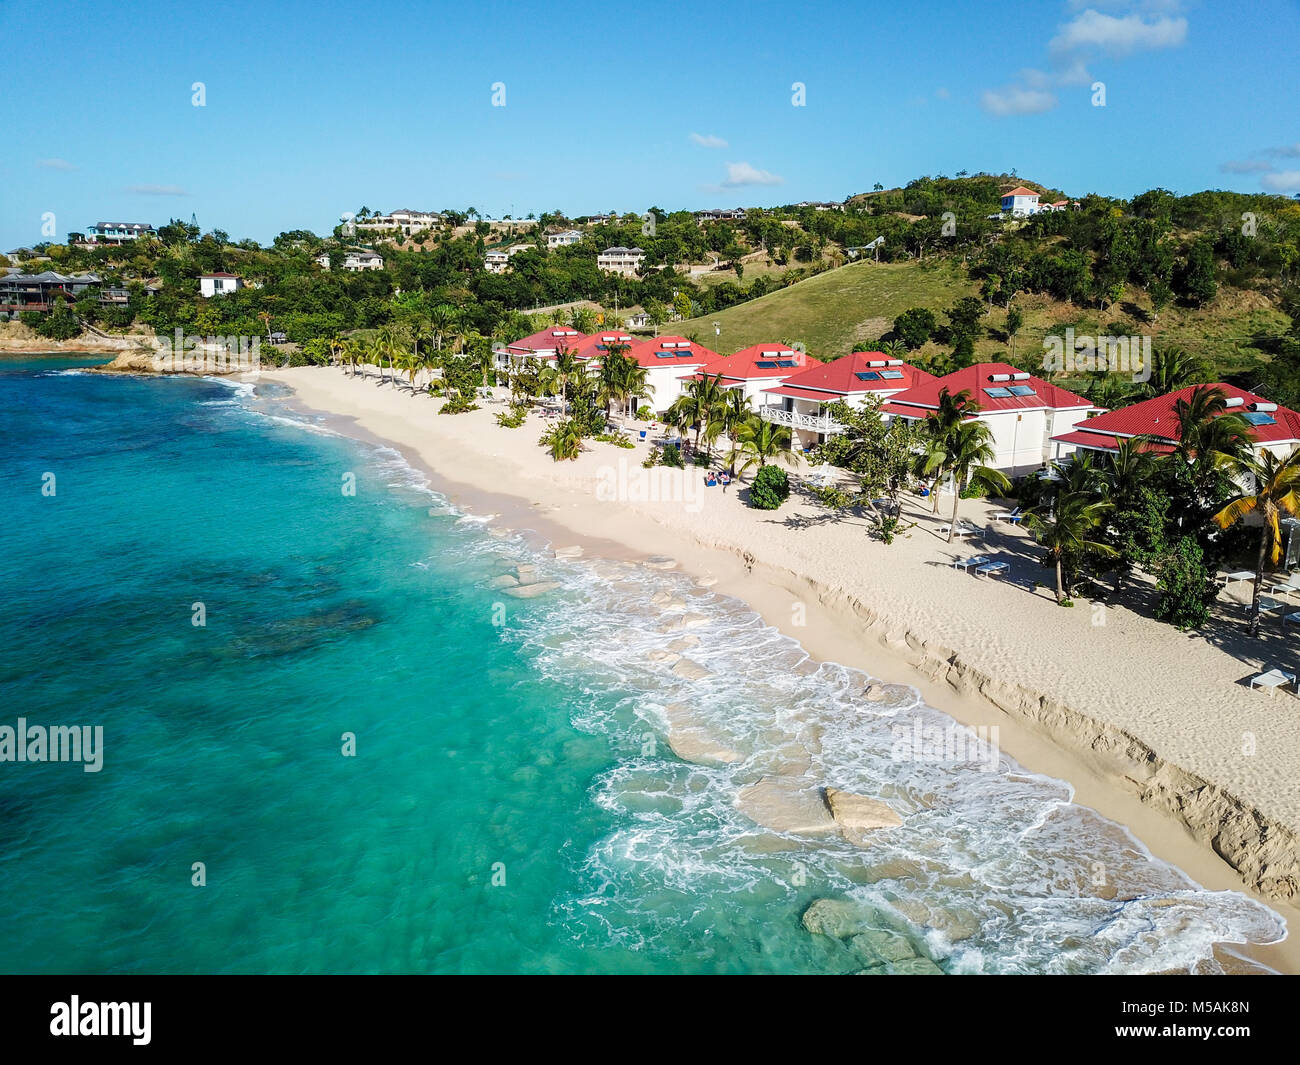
[(1153, 727)]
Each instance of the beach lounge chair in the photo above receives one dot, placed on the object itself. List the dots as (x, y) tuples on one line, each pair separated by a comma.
[(1272, 680), (1013, 516), (1269, 606), (1291, 619), (993, 569), (1286, 587), (964, 528), (1240, 575), (967, 563)]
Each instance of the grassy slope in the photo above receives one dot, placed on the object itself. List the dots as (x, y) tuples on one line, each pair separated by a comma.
[(835, 312), (846, 309)]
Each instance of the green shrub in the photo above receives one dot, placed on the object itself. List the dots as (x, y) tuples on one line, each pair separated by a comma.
[(645, 414), (653, 458), (514, 417), (770, 489), (701, 458), (458, 403), (617, 439), (1187, 587), (671, 456), (31, 319)]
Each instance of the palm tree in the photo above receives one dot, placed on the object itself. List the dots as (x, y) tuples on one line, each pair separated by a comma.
[(388, 345), (1209, 436), (759, 440), (894, 349), (940, 426), (970, 446), (736, 411), (1172, 369), (567, 367), (442, 319), (1065, 532), (353, 352), (1277, 492), (564, 440), (708, 397)]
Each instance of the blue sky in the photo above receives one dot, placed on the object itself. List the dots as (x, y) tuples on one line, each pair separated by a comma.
[(315, 108)]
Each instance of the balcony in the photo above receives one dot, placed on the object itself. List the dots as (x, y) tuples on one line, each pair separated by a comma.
[(813, 423)]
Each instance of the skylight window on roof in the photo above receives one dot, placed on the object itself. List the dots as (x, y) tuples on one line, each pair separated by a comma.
[(1257, 418), (787, 363), (1021, 390), (892, 375), (683, 354), (998, 393), (665, 354), (867, 375), (766, 364)]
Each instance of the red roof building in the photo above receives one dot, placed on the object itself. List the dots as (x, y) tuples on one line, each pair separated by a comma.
[(546, 342), (1272, 427), (1023, 412), (757, 367)]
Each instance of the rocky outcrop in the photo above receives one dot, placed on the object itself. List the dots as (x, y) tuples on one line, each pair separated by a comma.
[(787, 804), (858, 816)]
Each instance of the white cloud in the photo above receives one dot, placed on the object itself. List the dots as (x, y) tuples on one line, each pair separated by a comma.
[(56, 164), (1245, 166), (707, 140), (156, 190), (1118, 36), (1287, 151), (1089, 35), (1282, 181), (739, 174), (1017, 100)]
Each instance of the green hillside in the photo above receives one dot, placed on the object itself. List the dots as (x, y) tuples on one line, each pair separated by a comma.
[(836, 312)]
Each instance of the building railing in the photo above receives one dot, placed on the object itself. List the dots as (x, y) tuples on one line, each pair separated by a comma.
[(811, 422)]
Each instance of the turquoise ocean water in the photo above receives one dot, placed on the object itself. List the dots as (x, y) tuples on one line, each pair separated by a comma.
[(496, 739)]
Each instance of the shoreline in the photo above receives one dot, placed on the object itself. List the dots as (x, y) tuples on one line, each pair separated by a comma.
[(832, 624)]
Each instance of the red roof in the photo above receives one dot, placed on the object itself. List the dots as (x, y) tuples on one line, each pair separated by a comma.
[(919, 400), (1156, 417), (546, 341), (671, 351), (216, 275), (1103, 442), (594, 346), (863, 371), (759, 361), (1020, 191)]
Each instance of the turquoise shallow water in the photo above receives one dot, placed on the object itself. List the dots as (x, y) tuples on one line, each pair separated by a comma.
[(492, 734)]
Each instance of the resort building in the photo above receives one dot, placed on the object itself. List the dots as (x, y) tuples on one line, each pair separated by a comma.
[(563, 238), (362, 260), (323, 260), (1023, 412), (1020, 202), (620, 260), (218, 284), (800, 401), (757, 368), (403, 221), (544, 344), (669, 362), (594, 346), (1272, 428), (498, 261), (117, 232), (39, 292), (725, 214)]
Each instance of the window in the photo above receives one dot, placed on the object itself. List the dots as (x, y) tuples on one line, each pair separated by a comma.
[(892, 375), (767, 364), (1256, 417), (1021, 390), (787, 363), (868, 375), (998, 393)]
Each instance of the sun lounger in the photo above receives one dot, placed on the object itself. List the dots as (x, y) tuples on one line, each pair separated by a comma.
[(966, 563), (1270, 606), (1292, 619), (964, 528), (1240, 575), (1013, 516), (993, 569), (1272, 680), (1286, 587)]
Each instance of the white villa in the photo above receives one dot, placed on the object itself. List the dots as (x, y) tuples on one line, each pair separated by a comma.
[(1023, 412), (755, 369), (219, 284), (404, 221), (563, 238), (117, 232), (800, 402), (355, 261), (620, 260), (498, 261)]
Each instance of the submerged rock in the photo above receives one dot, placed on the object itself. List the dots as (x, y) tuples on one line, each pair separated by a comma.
[(660, 562), (700, 746), (786, 804), (859, 816), (683, 643), (688, 670), (838, 918), (532, 591), (572, 551), (506, 580)]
